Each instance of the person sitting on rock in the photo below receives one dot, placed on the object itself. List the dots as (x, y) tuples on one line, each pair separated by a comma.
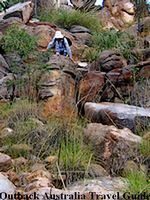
[(61, 44)]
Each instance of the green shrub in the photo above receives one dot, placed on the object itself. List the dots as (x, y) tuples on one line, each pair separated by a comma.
[(105, 40), (18, 40), (115, 40), (66, 19)]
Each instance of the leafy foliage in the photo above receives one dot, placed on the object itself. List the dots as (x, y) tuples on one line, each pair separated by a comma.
[(18, 40)]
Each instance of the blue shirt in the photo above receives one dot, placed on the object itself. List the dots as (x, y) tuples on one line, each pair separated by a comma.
[(59, 46)]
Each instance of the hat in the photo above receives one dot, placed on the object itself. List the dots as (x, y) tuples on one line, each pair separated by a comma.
[(58, 35)]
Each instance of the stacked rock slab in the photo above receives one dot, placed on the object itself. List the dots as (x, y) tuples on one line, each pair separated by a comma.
[(121, 115)]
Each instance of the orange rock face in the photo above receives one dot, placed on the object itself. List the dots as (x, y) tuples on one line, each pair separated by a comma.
[(61, 84), (117, 14), (90, 86)]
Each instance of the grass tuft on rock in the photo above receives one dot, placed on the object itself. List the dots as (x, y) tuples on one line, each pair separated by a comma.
[(66, 19)]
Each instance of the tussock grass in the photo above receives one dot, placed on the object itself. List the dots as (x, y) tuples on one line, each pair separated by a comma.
[(138, 182), (115, 40), (66, 19), (62, 137), (145, 145)]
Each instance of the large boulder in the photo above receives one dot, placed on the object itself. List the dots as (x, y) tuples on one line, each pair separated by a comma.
[(82, 38), (6, 186), (141, 93), (112, 147), (6, 23), (5, 162), (6, 92), (81, 34), (90, 86), (79, 29), (121, 115), (38, 179), (20, 10), (104, 187), (43, 31), (117, 14), (108, 61)]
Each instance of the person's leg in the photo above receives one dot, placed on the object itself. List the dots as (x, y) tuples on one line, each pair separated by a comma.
[(65, 53)]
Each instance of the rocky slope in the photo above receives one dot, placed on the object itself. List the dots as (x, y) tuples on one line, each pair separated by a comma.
[(111, 92)]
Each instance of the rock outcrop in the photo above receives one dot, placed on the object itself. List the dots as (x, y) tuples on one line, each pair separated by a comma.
[(112, 147), (119, 80), (59, 84), (105, 185), (108, 61), (141, 93), (121, 115), (38, 179), (20, 10), (90, 86), (117, 14), (6, 23), (6, 186), (80, 189)]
